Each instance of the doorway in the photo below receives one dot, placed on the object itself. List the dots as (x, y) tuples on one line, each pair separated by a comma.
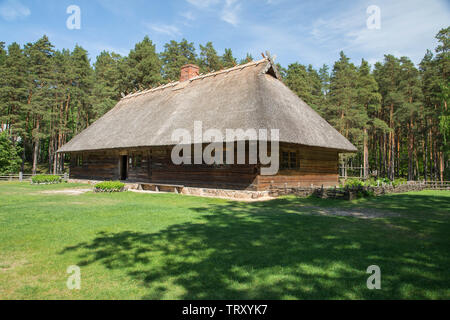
[(123, 167)]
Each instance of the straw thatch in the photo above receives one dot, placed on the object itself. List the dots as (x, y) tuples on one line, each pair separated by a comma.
[(248, 96)]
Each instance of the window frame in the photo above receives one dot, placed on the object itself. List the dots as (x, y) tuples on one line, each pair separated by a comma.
[(79, 161), (292, 162)]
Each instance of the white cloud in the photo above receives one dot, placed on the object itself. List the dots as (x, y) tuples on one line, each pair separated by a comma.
[(12, 9), (170, 30), (203, 3), (188, 15), (231, 11), (227, 10), (407, 28)]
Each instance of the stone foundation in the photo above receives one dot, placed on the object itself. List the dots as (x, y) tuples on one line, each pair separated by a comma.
[(227, 194), (274, 192), (349, 194)]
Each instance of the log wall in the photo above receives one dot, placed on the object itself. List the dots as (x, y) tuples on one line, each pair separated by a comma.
[(99, 166), (315, 166)]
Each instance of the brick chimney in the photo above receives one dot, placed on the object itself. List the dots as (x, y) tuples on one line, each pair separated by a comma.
[(189, 71)]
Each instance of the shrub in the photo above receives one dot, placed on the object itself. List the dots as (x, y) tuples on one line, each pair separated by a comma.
[(109, 186), (353, 183), (380, 181), (45, 179), (371, 182), (9, 155), (398, 182)]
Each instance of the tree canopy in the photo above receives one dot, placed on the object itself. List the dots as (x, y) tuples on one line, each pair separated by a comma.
[(395, 112)]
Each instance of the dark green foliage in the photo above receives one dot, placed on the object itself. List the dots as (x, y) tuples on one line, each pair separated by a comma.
[(105, 92), (306, 83), (174, 56), (109, 186), (13, 90), (353, 183), (227, 60), (209, 59), (9, 155), (396, 114), (143, 67), (45, 179), (248, 58)]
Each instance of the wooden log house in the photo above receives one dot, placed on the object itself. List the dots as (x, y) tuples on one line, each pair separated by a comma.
[(133, 141)]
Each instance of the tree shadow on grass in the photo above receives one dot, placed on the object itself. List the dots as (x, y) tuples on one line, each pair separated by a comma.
[(271, 250)]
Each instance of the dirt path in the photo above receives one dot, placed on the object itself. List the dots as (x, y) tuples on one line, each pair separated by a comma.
[(363, 213), (71, 192)]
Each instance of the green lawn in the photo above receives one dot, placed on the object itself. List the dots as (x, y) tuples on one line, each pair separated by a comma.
[(168, 246)]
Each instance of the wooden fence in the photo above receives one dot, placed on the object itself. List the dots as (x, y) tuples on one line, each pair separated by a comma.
[(437, 185), (351, 193), (26, 177), (346, 172)]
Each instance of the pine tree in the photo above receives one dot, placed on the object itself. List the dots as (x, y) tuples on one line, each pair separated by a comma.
[(410, 89), (430, 90), (342, 95), (209, 60), (248, 58), (3, 109), (39, 55), (13, 91), (82, 83), (324, 76), (143, 67), (369, 104), (227, 60), (443, 65), (387, 75), (305, 82), (2, 53), (105, 91), (174, 56), (9, 155), (59, 129)]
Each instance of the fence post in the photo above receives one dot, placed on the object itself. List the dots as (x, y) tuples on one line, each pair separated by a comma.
[(20, 176), (65, 176)]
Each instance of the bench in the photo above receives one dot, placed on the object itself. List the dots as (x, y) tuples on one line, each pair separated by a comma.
[(161, 187)]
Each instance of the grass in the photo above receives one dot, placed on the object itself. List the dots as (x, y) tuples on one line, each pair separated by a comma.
[(168, 246)]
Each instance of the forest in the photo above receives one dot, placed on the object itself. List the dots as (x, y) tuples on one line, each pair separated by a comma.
[(395, 112)]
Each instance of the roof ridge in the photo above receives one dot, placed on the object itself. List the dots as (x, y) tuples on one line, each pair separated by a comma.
[(201, 76)]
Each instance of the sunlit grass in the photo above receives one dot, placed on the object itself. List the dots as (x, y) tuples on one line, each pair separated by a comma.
[(168, 246)]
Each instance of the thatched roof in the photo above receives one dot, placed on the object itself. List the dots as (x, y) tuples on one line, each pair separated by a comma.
[(248, 96)]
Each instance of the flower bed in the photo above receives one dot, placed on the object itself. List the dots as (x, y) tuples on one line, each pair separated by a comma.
[(45, 179), (109, 186)]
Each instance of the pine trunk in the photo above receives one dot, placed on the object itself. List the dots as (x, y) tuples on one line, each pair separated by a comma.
[(36, 148), (366, 155)]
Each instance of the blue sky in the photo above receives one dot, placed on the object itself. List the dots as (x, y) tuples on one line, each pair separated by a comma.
[(310, 32)]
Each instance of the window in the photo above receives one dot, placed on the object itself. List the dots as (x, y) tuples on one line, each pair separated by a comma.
[(79, 161), (289, 160), (135, 161), (284, 160), (292, 160), (138, 161)]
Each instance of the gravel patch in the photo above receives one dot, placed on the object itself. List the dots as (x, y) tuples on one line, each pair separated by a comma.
[(71, 192), (362, 213)]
